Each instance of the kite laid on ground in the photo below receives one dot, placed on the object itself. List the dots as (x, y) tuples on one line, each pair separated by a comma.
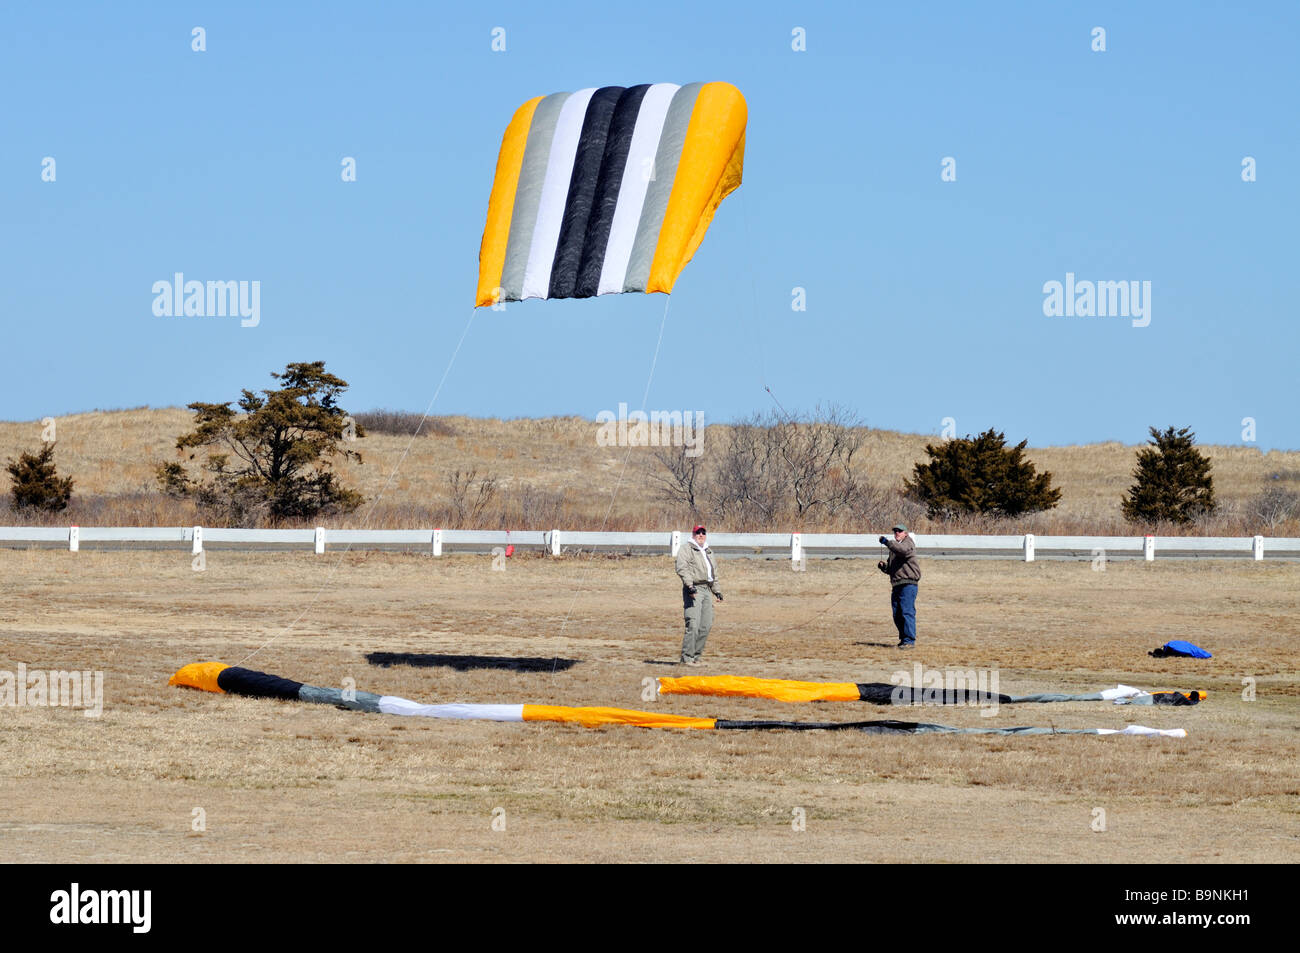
[(879, 693), (226, 679), (1179, 648), (608, 190)]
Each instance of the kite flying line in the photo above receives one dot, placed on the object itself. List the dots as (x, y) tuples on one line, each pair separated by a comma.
[(753, 299), (645, 397), (755, 321), (852, 588), (370, 513)]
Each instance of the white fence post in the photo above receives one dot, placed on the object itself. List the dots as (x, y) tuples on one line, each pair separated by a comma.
[(198, 541), (437, 542), (1257, 550), (1029, 547), (675, 543), (320, 540), (796, 548), (555, 542), (74, 538), (1149, 548)]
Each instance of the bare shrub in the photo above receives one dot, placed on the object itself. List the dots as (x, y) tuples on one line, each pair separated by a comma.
[(470, 496), (798, 467), (679, 476), (532, 507), (748, 489), (1273, 507), (876, 508), (403, 423)]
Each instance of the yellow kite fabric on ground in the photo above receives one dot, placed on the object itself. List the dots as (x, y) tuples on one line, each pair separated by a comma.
[(740, 686), (591, 717)]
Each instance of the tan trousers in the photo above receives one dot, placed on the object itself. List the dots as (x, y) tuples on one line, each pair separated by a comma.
[(699, 620)]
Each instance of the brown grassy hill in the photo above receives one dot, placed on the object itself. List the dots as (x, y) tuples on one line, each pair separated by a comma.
[(551, 473)]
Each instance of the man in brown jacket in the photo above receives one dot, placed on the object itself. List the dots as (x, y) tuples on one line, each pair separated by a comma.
[(904, 574), (699, 576)]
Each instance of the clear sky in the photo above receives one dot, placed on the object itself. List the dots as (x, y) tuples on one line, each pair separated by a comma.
[(924, 297)]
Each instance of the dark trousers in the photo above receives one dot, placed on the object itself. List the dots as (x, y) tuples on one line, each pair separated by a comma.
[(903, 601)]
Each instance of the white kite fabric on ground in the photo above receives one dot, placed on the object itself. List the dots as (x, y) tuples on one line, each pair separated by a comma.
[(226, 679)]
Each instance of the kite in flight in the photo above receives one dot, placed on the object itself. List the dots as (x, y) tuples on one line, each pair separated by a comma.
[(608, 190)]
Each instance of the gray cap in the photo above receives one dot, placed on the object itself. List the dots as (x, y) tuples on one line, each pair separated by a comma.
[(900, 528)]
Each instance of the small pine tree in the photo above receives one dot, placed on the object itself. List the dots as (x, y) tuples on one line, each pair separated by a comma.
[(280, 445), (36, 482), (1173, 481), (980, 475)]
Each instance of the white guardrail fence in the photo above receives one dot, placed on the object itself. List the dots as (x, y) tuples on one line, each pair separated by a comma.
[(798, 547)]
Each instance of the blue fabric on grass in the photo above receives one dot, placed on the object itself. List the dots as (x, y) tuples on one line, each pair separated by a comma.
[(1179, 647)]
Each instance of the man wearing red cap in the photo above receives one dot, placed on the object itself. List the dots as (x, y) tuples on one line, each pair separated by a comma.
[(699, 575)]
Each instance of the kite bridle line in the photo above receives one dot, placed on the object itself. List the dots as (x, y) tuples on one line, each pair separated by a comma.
[(753, 298), (754, 321), (757, 324), (645, 397), (365, 523)]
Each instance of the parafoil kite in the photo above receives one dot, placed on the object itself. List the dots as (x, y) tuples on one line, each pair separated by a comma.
[(608, 190), (227, 679), (881, 693)]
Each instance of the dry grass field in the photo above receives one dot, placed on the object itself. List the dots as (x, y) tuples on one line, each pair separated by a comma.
[(112, 456), (283, 781)]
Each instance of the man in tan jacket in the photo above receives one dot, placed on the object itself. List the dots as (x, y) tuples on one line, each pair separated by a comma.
[(699, 576)]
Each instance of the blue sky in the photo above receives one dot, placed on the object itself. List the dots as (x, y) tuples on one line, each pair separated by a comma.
[(924, 297)]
